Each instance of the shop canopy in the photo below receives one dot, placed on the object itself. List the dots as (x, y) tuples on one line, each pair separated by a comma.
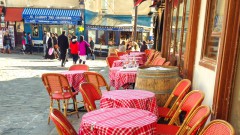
[(13, 14), (106, 23), (52, 16)]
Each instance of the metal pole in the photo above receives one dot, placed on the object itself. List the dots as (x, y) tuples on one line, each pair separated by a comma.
[(135, 24)]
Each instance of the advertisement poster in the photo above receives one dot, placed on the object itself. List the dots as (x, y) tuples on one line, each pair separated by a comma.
[(11, 33), (19, 26)]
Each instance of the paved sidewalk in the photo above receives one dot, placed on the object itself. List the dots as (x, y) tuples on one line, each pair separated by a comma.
[(24, 101)]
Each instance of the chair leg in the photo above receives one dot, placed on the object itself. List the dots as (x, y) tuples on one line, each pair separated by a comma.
[(76, 106), (65, 108), (59, 107), (50, 110)]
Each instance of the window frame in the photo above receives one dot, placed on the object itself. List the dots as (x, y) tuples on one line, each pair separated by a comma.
[(206, 61)]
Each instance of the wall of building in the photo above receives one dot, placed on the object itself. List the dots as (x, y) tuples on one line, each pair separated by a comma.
[(203, 78), (126, 7), (117, 7), (63, 4)]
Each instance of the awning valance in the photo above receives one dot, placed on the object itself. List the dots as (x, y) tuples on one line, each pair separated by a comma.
[(13, 14), (52, 16)]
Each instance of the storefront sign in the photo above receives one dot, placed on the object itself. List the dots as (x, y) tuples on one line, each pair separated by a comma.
[(52, 18), (51, 22)]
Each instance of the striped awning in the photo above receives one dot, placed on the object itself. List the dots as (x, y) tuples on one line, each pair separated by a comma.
[(52, 16)]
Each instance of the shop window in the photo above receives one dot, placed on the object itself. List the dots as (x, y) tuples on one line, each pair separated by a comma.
[(101, 37), (178, 31), (92, 34), (212, 34)]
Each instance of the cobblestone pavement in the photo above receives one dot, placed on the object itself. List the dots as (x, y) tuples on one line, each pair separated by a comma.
[(24, 101)]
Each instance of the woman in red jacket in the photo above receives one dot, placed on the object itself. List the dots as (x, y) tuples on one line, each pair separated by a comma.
[(74, 49)]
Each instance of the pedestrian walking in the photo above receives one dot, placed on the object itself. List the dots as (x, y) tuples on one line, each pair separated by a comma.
[(29, 43), (6, 43), (74, 49), (63, 44), (90, 53), (82, 47), (55, 45), (44, 43), (24, 41), (50, 49)]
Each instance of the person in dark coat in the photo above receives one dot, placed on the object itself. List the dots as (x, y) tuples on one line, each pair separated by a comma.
[(29, 43), (143, 47), (64, 45), (50, 43)]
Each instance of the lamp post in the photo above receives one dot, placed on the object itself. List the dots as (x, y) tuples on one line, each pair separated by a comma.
[(82, 9), (135, 24)]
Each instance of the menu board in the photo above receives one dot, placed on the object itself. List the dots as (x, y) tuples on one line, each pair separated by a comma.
[(11, 33), (1, 39)]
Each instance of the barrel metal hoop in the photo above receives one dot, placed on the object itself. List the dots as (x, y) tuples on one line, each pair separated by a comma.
[(159, 78)]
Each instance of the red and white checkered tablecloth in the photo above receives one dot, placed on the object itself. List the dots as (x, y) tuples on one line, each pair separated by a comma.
[(137, 53), (123, 78), (112, 72), (118, 121), (139, 99), (75, 78), (120, 78), (120, 63), (141, 58)]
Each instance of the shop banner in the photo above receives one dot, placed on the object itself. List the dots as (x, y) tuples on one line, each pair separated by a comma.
[(51, 22)]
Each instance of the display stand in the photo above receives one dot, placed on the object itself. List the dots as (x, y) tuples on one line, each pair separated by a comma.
[(11, 33), (1, 39)]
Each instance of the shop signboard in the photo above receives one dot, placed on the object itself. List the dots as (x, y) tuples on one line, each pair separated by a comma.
[(51, 22), (51, 18)]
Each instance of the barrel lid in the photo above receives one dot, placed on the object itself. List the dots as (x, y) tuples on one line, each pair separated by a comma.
[(158, 68)]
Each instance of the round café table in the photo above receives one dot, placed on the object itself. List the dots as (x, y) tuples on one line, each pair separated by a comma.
[(75, 77), (118, 121), (139, 99)]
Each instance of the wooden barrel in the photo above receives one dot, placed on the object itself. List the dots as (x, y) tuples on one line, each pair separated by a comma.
[(158, 79)]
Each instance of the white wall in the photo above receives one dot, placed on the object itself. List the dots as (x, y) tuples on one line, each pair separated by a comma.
[(125, 7), (203, 78), (118, 7), (65, 4)]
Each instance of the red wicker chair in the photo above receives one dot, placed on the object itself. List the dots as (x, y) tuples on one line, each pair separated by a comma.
[(79, 67), (96, 79), (90, 94), (110, 61), (218, 127), (190, 126), (178, 93), (158, 61), (192, 100), (64, 127), (58, 89), (167, 63)]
